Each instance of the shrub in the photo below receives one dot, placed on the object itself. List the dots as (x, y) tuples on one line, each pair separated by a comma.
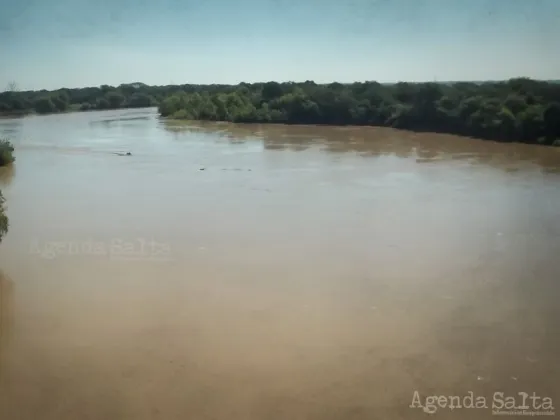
[(44, 105), (4, 224), (182, 114), (6, 152)]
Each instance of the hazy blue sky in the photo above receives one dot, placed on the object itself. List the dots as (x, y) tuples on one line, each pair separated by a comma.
[(70, 43)]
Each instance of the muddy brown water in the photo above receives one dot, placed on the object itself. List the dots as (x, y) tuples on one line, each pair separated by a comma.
[(270, 272)]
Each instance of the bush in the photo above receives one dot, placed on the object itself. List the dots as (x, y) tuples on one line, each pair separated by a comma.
[(138, 100), (102, 103), (115, 100), (44, 106), (6, 152), (4, 224), (170, 105), (60, 102), (182, 114)]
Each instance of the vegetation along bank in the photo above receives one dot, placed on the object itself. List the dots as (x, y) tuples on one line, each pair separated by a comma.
[(516, 110)]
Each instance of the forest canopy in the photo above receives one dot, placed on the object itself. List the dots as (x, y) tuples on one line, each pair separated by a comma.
[(516, 110)]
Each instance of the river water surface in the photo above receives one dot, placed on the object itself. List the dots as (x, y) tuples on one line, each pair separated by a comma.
[(271, 272)]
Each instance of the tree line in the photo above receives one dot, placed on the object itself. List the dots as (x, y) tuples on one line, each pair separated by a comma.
[(520, 109), (135, 95)]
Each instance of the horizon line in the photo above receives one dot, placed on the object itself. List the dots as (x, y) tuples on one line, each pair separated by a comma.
[(291, 81)]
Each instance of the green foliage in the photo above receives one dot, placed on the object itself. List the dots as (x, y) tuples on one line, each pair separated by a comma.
[(519, 109), (115, 100), (170, 105), (59, 104), (102, 103), (271, 90), (4, 224), (551, 119), (136, 95), (44, 105), (60, 101), (182, 114), (6, 152), (140, 100)]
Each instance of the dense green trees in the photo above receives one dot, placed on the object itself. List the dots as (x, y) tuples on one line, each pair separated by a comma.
[(53, 102), (136, 95), (140, 100), (44, 105), (519, 109), (115, 100)]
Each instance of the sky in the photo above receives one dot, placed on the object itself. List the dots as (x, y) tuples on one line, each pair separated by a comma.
[(49, 44)]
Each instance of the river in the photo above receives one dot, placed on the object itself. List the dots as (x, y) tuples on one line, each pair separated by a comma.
[(272, 272)]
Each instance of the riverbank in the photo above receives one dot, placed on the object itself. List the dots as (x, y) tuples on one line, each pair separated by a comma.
[(519, 110), (516, 110), (28, 112)]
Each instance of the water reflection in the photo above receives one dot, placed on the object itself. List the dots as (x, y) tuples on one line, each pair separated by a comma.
[(7, 174), (380, 141), (9, 126), (109, 121), (6, 311)]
